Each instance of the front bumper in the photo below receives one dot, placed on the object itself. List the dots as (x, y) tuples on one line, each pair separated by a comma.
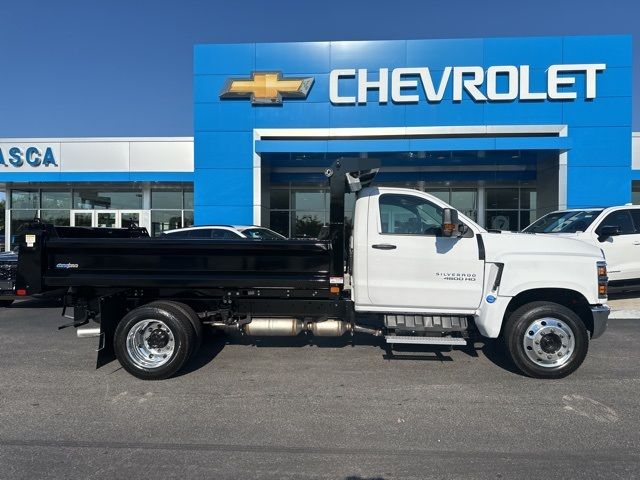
[(600, 316)]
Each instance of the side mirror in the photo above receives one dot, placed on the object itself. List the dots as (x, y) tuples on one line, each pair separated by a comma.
[(607, 231), (450, 223)]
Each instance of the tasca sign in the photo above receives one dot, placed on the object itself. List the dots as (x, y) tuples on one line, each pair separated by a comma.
[(401, 85), (41, 157)]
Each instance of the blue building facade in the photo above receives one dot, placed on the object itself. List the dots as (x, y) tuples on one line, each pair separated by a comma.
[(505, 129)]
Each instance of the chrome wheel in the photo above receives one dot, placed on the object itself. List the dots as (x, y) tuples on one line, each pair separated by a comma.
[(549, 342), (150, 343)]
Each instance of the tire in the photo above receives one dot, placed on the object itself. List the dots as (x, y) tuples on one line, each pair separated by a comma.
[(184, 309), (5, 303), (168, 340), (546, 340)]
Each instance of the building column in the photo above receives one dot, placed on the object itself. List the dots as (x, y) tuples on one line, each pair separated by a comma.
[(481, 204), (7, 220)]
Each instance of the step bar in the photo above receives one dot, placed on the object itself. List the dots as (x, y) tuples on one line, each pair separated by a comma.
[(415, 340)]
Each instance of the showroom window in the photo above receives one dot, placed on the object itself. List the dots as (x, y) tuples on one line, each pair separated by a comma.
[(635, 192), (24, 208), (107, 200), (171, 208), (51, 206), (510, 208), (56, 199), (25, 199), (301, 211), (465, 200)]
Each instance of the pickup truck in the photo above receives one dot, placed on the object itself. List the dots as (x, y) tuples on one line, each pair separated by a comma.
[(413, 271), (615, 230)]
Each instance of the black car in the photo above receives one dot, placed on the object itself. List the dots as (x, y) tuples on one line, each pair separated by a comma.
[(8, 266)]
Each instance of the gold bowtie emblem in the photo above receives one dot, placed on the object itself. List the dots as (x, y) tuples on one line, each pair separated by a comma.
[(267, 87)]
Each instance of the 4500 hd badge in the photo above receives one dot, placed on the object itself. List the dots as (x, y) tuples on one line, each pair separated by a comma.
[(457, 277)]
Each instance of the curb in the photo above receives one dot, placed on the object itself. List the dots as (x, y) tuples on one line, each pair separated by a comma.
[(624, 314)]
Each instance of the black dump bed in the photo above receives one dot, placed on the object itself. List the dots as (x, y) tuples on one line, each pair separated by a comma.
[(58, 257), (93, 257)]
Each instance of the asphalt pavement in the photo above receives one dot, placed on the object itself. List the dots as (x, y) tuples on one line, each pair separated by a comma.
[(294, 410)]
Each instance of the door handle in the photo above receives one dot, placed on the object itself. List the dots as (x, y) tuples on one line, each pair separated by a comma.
[(384, 246), (636, 243)]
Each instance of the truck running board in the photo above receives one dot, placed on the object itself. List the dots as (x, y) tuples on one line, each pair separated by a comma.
[(408, 339)]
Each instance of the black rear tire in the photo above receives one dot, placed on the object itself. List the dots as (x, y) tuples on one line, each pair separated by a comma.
[(5, 303), (518, 327), (182, 333), (184, 309)]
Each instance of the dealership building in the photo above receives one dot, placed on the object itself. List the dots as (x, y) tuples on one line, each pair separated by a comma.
[(504, 129)]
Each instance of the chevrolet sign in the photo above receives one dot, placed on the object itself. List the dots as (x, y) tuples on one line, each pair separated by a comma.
[(474, 82), (402, 84)]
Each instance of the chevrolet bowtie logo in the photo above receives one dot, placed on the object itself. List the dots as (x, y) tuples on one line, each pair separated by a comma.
[(267, 87)]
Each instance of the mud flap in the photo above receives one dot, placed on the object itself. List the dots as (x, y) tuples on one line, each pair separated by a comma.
[(112, 309)]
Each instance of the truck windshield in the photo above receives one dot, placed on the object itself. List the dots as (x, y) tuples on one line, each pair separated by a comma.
[(564, 222)]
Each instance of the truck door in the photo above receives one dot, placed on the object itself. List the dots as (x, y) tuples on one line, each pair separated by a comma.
[(410, 265)]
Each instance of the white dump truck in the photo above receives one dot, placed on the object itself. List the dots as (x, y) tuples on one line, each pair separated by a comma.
[(412, 271)]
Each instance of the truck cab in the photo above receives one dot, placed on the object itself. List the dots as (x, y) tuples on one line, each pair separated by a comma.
[(406, 263)]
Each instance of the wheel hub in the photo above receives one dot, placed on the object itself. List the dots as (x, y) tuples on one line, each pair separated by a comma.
[(158, 339), (548, 342), (150, 344)]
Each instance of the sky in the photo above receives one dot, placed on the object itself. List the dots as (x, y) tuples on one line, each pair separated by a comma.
[(124, 67)]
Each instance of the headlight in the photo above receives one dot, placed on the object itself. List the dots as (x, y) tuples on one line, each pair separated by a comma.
[(602, 279)]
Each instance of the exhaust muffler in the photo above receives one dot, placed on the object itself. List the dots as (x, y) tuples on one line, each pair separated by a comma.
[(274, 327), (329, 328), (291, 327)]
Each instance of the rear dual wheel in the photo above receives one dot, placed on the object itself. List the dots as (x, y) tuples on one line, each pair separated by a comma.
[(155, 341)]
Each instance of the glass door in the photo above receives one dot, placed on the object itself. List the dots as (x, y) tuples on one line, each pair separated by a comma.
[(82, 218), (137, 218), (106, 218), (129, 219), (111, 218)]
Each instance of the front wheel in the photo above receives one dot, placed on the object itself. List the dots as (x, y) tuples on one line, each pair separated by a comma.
[(154, 343), (546, 340)]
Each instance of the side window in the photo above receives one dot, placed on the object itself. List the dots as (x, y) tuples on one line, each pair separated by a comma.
[(409, 215), (635, 214), (253, 233), (221, 234), (619, 218), (200, 233)]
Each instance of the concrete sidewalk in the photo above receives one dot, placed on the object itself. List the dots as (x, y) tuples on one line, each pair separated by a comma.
[(625, 305)]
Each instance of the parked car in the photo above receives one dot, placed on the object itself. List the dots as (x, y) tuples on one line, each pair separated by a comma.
[(222, 232), (615, 230), (8, 266)]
